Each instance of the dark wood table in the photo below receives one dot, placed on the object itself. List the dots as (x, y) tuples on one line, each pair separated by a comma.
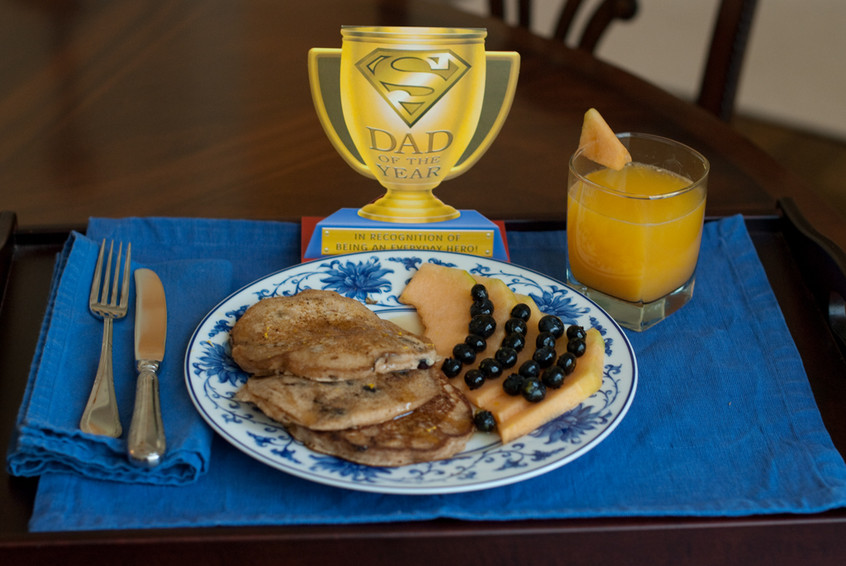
[(193, 108), (202, 108)]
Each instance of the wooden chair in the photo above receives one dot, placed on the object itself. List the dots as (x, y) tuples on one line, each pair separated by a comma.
[(729, 38), (602, 17), (725, 57)]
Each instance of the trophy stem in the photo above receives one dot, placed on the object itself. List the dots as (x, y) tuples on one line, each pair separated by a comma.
[(413, 207)]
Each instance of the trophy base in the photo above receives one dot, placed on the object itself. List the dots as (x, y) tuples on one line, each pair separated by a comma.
[(346, 231), (408, 207)]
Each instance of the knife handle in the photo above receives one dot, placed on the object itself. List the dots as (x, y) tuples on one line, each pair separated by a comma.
[(146, 441)]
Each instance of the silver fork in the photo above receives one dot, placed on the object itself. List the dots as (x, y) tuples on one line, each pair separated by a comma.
[(101, 413)]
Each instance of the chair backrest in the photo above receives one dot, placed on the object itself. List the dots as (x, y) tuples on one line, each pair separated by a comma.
[(728, 46), (601, 18), (729, 38)]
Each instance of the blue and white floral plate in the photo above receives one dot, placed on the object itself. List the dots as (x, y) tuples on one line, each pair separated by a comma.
[(377, 279)]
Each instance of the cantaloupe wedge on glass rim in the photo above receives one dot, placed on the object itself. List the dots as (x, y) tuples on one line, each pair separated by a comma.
[(599, 143)]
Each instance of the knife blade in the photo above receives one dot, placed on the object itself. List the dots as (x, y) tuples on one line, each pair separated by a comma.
[(146, 441)]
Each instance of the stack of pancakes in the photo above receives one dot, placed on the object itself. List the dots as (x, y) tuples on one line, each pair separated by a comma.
[(347, 383)]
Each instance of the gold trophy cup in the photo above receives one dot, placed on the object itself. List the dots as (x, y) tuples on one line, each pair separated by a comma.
[(411, 107)]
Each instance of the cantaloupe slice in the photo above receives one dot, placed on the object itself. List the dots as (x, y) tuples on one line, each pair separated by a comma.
[(442, 298), (514, 415), (599, 143)]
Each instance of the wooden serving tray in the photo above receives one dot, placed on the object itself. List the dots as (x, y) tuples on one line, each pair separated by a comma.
[(808, 275)]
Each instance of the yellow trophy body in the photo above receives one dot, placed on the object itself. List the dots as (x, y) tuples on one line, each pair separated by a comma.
[(411, 107)]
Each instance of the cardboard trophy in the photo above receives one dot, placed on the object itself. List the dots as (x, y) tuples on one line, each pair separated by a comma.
[(410, 107)]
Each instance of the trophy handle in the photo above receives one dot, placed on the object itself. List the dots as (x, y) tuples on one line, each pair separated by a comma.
[(324, 73), (501, 74)]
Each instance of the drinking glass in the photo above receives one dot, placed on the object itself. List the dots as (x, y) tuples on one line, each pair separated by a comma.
[(633, 235)]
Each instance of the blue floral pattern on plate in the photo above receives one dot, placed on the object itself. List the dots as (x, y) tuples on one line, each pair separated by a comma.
[(377, 279)]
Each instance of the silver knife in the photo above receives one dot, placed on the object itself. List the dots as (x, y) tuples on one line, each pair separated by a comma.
[(146, 441)]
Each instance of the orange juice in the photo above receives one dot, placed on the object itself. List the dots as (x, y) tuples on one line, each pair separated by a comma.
[(634, 234)]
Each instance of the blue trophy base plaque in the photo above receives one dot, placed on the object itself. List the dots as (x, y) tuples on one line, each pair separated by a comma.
[(347, 232)]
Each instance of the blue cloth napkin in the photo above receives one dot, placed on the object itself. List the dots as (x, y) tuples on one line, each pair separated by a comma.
[(724, 423), (195, 277)]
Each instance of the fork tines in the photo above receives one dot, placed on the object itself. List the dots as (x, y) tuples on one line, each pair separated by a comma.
[(100, 294)]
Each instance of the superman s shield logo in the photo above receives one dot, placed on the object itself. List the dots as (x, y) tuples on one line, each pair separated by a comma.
[(412, 82)]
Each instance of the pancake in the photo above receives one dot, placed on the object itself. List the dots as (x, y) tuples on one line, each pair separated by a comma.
[(324, 336), (347, 383), (334, 405), (437, 430)]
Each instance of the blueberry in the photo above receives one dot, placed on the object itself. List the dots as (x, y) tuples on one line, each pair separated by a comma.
[(513, 384), (506, 356), (529, 368), (479, 292), (514, 340), (474, 379), (485, 306), (567, 362), (575, 332), (521, 311), (551, 323), (516, 326), (482, 325), (490, 368), (484, 421), (464, 353), (533, 390), (553, 377), (545, 356), (476, 342), (576, 347), (545, 340), (451, 367)]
